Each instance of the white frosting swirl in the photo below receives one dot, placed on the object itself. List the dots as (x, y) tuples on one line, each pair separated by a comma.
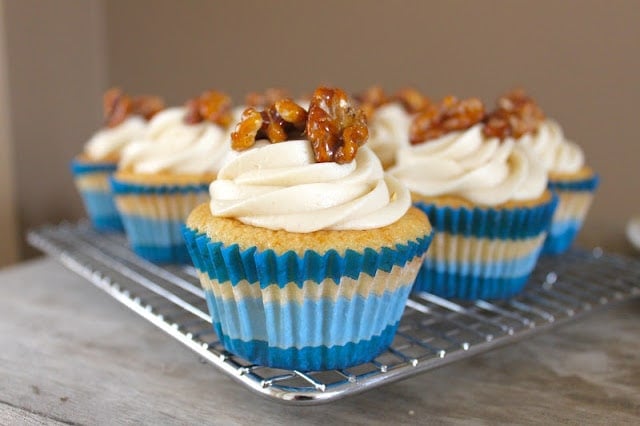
[(466, 164), (109, 141), (556, 153), (388, 131), (280, 186), (171, 145)]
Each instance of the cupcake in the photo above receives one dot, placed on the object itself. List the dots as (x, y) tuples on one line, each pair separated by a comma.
[(125, 120), (306, 251), (485, 196), (389, 118), (569, 177), (166, 173)]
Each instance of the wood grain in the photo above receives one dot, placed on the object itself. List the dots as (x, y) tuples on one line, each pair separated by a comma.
[(72, 354)]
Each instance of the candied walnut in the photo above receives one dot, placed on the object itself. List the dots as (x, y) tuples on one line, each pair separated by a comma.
[(516, 114), (117, 107), (372, 99), (280, 121), (335, 128), (450, 115), (266, 98), (210, 106), (246, 131), (147, 106), (412, 100)]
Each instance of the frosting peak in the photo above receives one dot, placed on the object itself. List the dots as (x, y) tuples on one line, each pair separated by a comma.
[(280, 186), (171, 145), (556, 153), (485, 171)]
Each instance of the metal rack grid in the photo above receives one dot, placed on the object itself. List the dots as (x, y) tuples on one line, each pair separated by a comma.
[(433, 331)]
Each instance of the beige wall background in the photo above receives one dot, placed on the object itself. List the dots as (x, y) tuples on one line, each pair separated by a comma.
[(579, 59)]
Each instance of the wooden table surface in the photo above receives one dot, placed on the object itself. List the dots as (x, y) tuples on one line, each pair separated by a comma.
[(70, 354)]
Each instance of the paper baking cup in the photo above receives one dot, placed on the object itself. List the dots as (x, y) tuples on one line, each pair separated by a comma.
[(153, 217), (92, 182), (574, 200), (310, 312), (482, 253)]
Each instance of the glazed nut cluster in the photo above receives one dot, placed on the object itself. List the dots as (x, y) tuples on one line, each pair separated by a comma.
[(516, 114), (212, 106), (282, 120), (450, 115), (374, 97), (117, 106), (333, 126), (266, 98)]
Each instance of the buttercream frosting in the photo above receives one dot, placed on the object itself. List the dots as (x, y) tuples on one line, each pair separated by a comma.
[(389, 130), (110, 141), (171, 145), (280, 186), (550, 146), (485, 171)]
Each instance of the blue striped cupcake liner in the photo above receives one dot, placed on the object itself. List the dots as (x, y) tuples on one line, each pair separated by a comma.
[(97, 196), (575, 198), (482, 253), (309, 312), (153, 217)]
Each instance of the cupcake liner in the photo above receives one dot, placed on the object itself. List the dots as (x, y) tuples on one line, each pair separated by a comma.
[(482, 253), (92, 182), (153, 216), (575, 198), (307, 312)]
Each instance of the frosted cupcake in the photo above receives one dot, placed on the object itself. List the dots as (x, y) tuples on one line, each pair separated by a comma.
[(125, 120), (569, 177), (485, 197), (166, 173), (389, 118), (307, 251)]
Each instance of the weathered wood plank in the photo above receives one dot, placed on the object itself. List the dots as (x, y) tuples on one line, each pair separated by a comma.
[(70, 351), (11, 415)]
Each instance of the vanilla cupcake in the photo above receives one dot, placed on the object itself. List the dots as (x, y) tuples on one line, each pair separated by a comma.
[(306, 251), (569, 177), (485, 196), (389, 118), (125, 120), (166, 173)]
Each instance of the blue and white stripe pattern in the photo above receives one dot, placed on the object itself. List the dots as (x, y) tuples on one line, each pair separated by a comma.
[(92, 181), (575, 198), (305, 312), (482, 253), (153, 217)]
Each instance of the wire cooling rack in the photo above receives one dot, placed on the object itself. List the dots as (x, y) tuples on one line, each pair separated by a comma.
[(433, 331)]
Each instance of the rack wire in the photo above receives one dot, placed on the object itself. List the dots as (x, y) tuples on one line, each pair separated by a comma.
[(433, 331)]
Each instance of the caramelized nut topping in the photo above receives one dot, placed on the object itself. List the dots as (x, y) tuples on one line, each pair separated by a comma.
[(280, 121), (147, 106), (449, 115), (412, 100), (118, 106), (335, 128), (517, 114), (268, 97), (209, 106), (372, 99)]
